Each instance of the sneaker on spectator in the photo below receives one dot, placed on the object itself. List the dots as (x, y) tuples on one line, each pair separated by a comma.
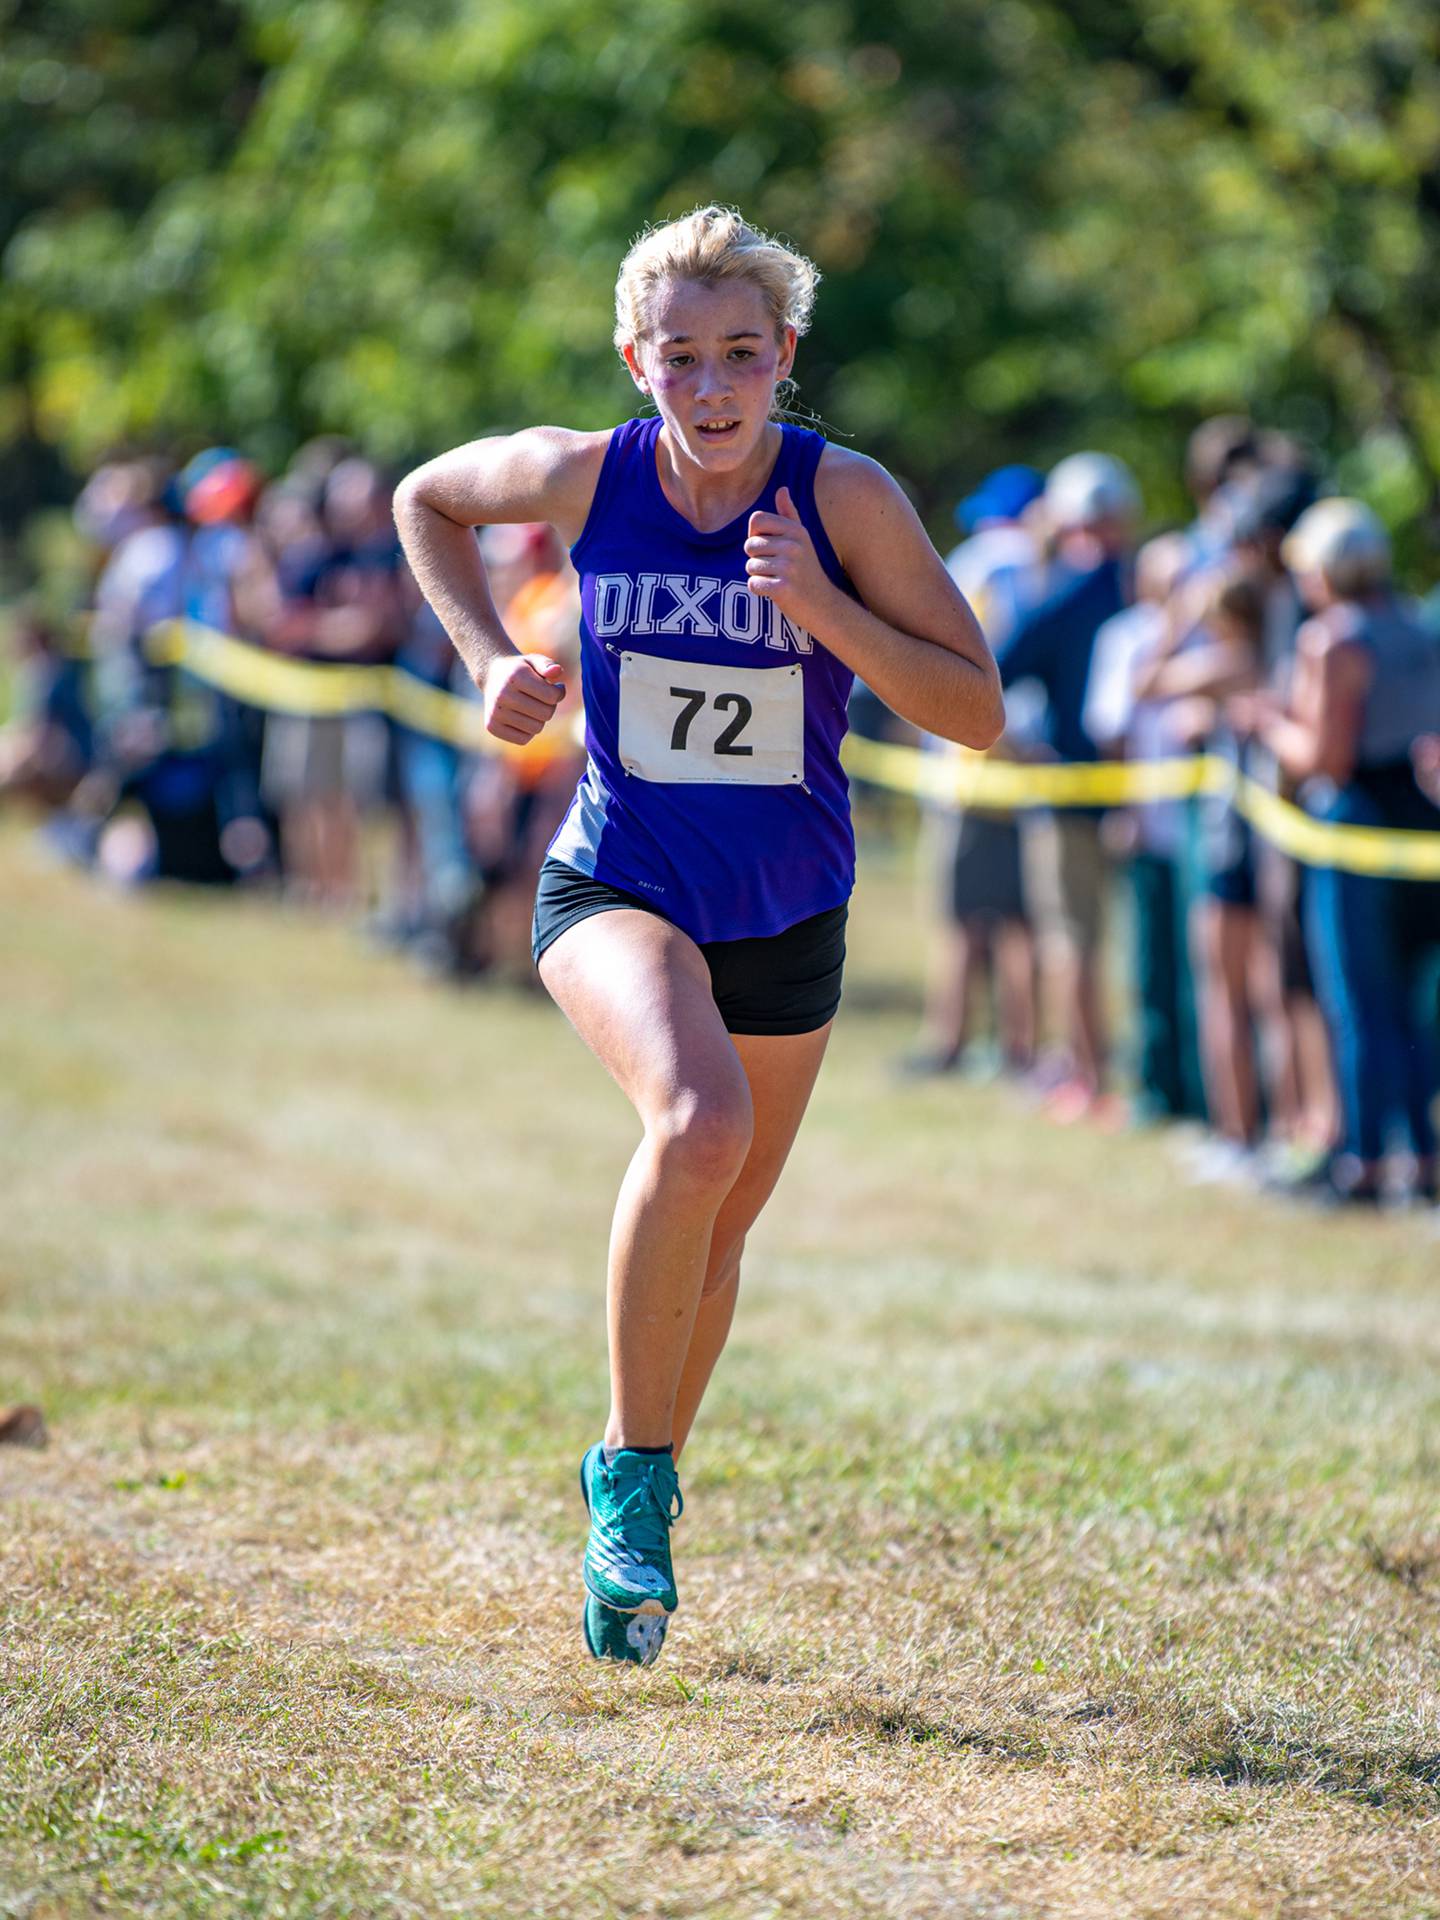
[(928, 1064), (1050, 1072), (1343, 1183), (1227, 1163), (1076, 1100)]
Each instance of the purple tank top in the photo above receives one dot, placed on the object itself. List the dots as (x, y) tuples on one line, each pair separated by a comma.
[(713, 785)]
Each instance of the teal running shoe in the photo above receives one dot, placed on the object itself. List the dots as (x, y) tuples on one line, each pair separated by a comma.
[(629, 1581)]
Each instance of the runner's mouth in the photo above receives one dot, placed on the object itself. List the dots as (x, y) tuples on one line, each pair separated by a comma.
[(718, 429)]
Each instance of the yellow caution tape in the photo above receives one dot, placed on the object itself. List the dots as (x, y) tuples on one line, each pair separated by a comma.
[(972, 780), (315, 688), (1384, 852), (282, 685)]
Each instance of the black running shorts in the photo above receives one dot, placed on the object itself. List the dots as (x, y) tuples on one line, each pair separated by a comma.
[(779, 983)]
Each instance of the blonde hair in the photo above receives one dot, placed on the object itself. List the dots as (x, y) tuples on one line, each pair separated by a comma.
[(710, 245), (1344, 542)]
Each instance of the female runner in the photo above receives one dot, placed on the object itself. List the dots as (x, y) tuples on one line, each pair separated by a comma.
[(736, 573)]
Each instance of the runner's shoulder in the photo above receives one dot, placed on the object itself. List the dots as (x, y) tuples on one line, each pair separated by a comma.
[(857, 499), (538, 473), (558, 451), (562, 464), (843, 474), (567, 463)]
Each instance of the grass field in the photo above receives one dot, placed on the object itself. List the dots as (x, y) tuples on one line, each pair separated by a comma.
[(1060, 1540)]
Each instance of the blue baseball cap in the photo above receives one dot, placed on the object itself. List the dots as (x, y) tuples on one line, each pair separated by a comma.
[(1001, 495)]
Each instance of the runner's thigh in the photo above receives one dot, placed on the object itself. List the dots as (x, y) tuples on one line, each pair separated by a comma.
[(637, 991)]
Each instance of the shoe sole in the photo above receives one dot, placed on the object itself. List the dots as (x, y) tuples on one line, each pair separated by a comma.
[(645, 1633)]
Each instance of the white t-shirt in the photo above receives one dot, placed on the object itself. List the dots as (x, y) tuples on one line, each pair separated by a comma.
[(140, 584)]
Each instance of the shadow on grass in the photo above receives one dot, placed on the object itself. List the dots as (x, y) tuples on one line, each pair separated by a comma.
[(898, 1724), (1263, 1757)]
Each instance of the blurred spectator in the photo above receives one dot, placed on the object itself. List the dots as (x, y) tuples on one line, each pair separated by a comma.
[(150, 808), (292, 542), (310, 470), (983, 936), (140, 577), (1262, 513), (1199, 681), (121, 497), (1304, 1111), (1093, 506), (433, 771), (1124, 726), (996, 564), (343, 604), (1426, 755), (1366, 687), (220, 489), (1218, 452), (46, 749)]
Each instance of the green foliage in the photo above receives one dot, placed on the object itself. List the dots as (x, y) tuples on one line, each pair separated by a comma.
[(104, 106), (1040, 225)]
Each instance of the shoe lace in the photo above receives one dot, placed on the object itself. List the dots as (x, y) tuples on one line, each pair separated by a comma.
[(646, 1514)]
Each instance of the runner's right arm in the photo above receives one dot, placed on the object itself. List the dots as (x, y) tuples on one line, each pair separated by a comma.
[(544, 473)]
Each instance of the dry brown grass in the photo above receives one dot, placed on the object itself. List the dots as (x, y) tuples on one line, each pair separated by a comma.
[(1061, 1541)]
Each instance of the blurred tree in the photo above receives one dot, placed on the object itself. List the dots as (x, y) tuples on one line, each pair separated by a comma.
[(106, 103), (417, 237), (1040, 224), (1254, 219)]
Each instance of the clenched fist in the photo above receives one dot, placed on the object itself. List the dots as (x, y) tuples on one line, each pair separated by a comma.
[(783, 565), (521, 692)]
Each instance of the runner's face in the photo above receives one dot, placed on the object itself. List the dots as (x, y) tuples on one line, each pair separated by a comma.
[(711, 362)]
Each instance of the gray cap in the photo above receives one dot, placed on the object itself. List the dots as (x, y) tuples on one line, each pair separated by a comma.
[(1088, 487)]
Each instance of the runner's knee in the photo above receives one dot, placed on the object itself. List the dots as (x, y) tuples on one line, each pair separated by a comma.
[(704, 1137)]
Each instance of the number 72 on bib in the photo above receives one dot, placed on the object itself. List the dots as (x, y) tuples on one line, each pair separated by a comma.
[(681, 721)]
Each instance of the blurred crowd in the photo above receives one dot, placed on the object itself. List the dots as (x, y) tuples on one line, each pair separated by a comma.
[(1292, 1012), (150, 773), (1289, 1012)]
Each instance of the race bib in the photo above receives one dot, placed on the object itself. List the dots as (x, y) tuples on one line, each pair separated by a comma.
[(684, 722)]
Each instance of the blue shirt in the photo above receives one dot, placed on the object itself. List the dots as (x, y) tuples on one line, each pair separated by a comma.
[(214, 559), (1053, 643)]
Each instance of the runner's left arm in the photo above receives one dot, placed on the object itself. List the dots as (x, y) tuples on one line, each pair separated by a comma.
[(911, 637)]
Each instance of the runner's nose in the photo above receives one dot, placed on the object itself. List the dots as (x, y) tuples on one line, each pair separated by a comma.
[(714, 385)]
